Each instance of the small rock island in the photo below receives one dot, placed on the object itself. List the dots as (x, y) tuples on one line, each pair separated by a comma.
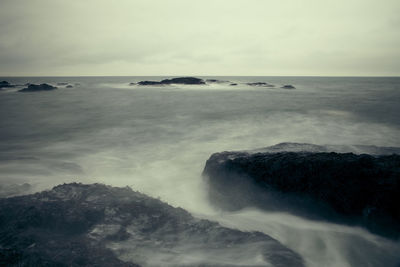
[(37, 88), (181, 80)]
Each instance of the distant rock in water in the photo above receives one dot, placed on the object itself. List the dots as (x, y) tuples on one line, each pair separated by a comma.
[(260, 84), (181, 80), (233, 84), (62, 83), (340, 187), (69, 86), (98, 225), (5, 84), (148, 83), (37, 88), (216, 81), (288, 86)]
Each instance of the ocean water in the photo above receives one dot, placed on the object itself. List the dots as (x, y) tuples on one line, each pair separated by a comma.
[(156, 139)]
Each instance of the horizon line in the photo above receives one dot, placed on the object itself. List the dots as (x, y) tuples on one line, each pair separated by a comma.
[(316, 76)]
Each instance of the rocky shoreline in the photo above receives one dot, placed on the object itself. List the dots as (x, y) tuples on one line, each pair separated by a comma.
[(98, 225), (358, 189)]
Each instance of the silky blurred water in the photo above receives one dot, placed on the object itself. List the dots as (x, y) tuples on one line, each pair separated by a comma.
[(157, 139)]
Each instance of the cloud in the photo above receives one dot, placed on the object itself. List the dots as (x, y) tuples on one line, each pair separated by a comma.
[(219, 37)]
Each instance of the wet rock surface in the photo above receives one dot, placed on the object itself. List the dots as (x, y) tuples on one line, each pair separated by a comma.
[(98, 225), (37, 88), (349, 188)]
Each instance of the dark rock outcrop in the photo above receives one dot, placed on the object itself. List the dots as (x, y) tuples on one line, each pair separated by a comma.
[(5, 84), (98, 225), (288, 86), (233, 84), (341, 187), (181, 80), (69, 86), (37, 88)]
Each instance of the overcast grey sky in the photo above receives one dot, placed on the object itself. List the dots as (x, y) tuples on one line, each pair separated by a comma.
[(200, 37)]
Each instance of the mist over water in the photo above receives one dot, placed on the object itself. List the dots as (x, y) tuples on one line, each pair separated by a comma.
[(157, 140)]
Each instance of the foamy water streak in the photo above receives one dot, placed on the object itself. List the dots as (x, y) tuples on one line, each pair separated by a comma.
[(319, 243)]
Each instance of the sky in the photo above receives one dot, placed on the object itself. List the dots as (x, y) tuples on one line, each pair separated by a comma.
[(193, 37)]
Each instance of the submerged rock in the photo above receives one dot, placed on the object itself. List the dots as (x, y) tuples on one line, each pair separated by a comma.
[(260, 84), (37, 88), (341, 187), (233, 84), (216, 81), (288, 86), (69, 86), (181, 80), (5, 84), (62, 83), (98, 225), (148, 83)]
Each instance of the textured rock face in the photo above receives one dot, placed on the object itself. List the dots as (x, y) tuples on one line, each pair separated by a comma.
[(342, 187), (37, 88), (97, 225)]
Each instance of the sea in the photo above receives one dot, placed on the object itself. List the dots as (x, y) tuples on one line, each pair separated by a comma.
[(156, 139)]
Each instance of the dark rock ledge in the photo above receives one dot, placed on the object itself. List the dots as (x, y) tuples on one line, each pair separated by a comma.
[(98, 225), (340, 187)]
